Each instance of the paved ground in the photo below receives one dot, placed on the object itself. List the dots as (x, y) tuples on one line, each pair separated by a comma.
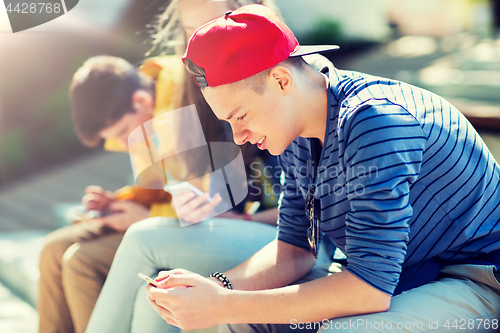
[(29, 203), (16, 316), (26, 211)]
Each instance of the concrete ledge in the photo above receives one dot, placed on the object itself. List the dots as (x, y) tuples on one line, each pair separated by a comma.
[(16, 316), (480, 114), (19, 256)]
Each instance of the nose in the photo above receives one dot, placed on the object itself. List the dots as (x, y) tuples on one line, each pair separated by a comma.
[(240, 134)]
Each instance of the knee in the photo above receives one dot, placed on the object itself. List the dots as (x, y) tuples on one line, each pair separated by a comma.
[(135, 235), (75, 263), (140, 232), (52, 253)]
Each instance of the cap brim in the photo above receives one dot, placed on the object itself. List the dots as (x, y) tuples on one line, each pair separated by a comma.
[(311, 49)]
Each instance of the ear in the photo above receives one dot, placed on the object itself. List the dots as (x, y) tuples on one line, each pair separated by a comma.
[(283, 79), (143, 101)]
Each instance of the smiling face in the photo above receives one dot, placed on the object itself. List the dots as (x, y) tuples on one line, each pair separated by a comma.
[(268, 119)]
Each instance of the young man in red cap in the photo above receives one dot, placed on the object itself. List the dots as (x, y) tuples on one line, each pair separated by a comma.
[(394, 175)]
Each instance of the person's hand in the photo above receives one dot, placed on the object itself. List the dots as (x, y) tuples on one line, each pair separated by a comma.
[(123, 215), (193, 208), (96, 198), (197, 305)]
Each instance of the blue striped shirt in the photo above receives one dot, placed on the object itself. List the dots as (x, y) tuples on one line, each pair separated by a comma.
[(403, 177)]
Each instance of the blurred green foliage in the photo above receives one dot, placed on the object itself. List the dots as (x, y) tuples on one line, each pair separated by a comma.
[(38, 135), (55, 134), (13, 151), (325, 31)]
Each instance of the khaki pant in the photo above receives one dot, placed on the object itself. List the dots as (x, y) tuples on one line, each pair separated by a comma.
[(464, 298), (74, 263)]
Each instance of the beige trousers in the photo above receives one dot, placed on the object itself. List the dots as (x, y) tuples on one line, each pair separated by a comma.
[(464, 298), (74, 263)]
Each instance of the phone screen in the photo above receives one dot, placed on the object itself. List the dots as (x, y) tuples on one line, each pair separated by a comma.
[(148, 279), (184, 187)]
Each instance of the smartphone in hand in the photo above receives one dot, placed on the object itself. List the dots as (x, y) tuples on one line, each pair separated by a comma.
[(148, 279), (185, 187), (154, 283)]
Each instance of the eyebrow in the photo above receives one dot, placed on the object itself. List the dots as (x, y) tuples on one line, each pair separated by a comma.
[(235, 111)]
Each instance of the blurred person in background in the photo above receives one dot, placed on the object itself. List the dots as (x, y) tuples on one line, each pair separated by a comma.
[(75, 259)]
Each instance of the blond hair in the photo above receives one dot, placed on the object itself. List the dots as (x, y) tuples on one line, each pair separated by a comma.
[(169, 37)]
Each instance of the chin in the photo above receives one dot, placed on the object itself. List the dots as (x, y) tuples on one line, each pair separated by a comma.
[(275, 152)]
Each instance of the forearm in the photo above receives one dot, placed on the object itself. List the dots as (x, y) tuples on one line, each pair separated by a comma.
[(260, 295), (143, 196), (338, 295), (275, 265), (268, 216)]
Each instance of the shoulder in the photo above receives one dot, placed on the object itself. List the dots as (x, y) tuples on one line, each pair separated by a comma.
[(157, 66), (376, 116)]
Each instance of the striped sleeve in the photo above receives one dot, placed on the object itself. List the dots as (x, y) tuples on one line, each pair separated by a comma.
[(292, 221), (383, 147)]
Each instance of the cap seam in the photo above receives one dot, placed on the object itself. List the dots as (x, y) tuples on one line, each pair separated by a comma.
[(232, 52)]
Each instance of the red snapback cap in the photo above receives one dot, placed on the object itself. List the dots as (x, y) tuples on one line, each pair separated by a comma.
[(242, 43)]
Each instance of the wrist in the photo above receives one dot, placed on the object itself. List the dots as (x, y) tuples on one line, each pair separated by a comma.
[(214, 279), (223, 279), (229, 302)]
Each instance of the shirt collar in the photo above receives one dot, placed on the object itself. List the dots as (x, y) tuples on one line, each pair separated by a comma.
[(333, 80)]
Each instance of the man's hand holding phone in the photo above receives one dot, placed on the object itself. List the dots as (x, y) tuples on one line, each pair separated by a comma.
[(148, 279), (95, 202), (122, 214), (104, 208), (97, 199), (176, 293), (158, 282)]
